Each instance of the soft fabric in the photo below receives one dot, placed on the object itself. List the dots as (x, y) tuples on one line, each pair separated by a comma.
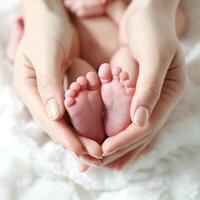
[(33, 167)]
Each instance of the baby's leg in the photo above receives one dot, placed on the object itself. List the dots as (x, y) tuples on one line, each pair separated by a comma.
[(98, 39), (83, 101), (117, 90), (116, 9)]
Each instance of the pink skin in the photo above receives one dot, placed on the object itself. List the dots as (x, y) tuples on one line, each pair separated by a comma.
[(84, 8), (117, 91), (87, 8), (16, 34), (17, 31), (84, 105)]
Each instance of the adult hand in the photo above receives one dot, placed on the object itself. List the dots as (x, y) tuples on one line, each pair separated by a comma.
[(41, 62), (161, 78)]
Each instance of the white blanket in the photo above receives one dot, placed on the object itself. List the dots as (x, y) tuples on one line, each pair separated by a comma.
[(33, 167)]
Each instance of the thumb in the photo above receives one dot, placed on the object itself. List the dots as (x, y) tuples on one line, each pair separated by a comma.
[(51, 90), (148, 89)]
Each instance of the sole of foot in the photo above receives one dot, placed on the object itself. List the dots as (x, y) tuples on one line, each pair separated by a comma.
[(117, 91), (84, 106)]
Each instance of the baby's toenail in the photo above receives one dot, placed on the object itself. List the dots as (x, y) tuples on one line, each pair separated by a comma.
[(75, 86), (117, 71), (82, 81), (124, 76), (70, 93)]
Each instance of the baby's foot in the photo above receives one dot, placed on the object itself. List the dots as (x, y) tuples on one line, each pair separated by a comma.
[(17, 30), (117, 92), (84, 105)]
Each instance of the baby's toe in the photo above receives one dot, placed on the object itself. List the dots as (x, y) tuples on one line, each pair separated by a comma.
[(116, 72), (69, 101), (82, 81), (129, 84), (129, 87), (93, 80), (75, 87), (69, 98), (70, 93), (123, 77), (105, 73)]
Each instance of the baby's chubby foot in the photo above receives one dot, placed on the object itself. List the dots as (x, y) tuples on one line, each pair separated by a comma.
[(117, 91), (84, 105)]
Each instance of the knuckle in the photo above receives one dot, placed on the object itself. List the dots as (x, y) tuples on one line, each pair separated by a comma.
[(153, 92), (44, 82)]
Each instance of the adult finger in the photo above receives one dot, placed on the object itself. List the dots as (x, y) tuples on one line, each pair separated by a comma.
[(83, 167), (148, 88), (172, 91), (131, 156), (131, 135), (49, 76), (26, 87), (122, 152), (89, 160), (91, 147)]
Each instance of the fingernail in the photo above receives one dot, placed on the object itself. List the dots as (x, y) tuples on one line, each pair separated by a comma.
[(73, 154), (96, 163), (141, 116), (107, 153), (99, 157), (53, 109)]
